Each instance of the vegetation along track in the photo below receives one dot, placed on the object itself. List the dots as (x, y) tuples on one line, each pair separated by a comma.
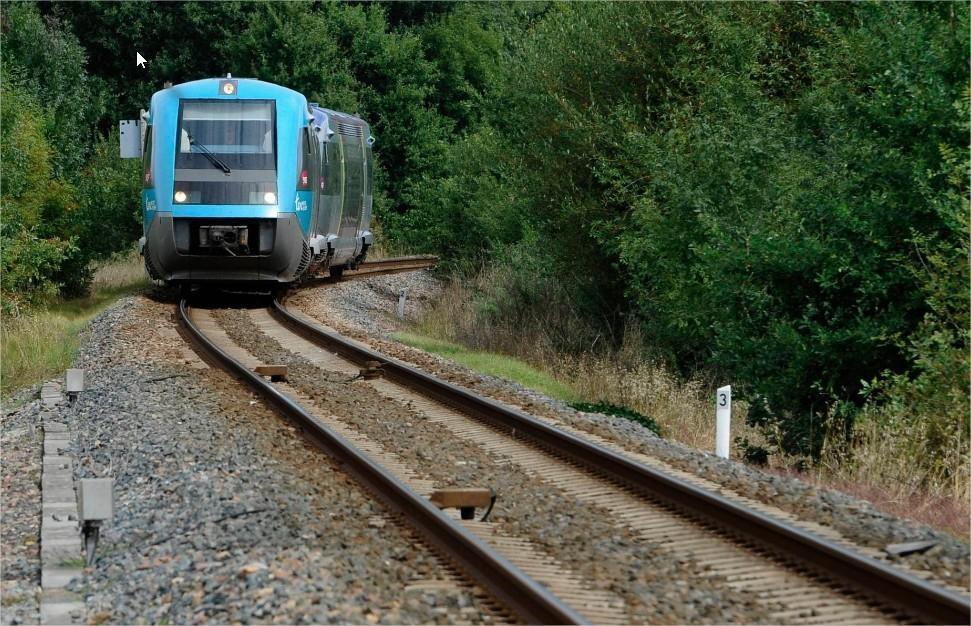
[(802, 578)]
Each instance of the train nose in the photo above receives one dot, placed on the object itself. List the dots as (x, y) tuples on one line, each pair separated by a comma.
[(226, 249)]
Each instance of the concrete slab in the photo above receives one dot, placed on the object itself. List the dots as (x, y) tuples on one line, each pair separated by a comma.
[(61, 487), (55, 448), (58, 577), (61, 508), (61, 523), (59, 606), (61, 613), (64, 533), (60, 540), (54, 463), (58, 494), (60, 556)]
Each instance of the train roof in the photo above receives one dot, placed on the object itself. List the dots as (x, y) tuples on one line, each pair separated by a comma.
[(244, 88), (326, 122)]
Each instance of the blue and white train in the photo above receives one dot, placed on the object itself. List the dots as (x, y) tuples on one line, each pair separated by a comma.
[(245, 181)]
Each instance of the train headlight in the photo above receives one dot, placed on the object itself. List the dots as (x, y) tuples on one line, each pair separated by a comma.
[(269, 197), (228, 88), (180, 196)]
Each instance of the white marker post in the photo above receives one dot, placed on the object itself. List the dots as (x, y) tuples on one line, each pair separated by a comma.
[(402, 296), (723, 420)]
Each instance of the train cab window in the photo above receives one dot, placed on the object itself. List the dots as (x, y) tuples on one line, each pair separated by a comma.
[(226, 152), (148, 180), (305, 159)]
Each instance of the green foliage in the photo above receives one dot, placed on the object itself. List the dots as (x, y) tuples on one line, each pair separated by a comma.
[(109, 189), (67, 199), (29, 265), (619, 411), (32, 252), (754, 184), (49, 62)]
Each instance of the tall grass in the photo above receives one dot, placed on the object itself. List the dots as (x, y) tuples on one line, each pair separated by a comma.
[(554, 339), (903, 467), (41, 344)]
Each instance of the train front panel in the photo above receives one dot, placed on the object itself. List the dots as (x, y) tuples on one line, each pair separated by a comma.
[(220, 198)]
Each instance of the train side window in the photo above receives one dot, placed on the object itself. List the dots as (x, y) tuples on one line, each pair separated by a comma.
[(335, 166), (368, 171), (301, 152)]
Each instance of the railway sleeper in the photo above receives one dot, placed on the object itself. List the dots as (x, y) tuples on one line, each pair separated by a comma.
[(466, 500)]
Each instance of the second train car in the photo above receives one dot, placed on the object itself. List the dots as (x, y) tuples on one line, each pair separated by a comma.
[(245, 181)]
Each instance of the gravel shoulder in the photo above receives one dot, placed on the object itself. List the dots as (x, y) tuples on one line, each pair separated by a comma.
[(21, 450), (365, 310)]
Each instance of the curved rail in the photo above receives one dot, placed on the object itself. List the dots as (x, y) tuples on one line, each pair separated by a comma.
[(504, 581), (392, 265), (887, 585)]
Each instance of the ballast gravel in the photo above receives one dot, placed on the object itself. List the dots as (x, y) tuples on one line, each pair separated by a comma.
[(589, 540), (365, 309), (22, 441), (223, 514)]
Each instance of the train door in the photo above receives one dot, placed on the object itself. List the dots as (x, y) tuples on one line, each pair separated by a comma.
[(354, 187), (307, 175), (331, 186), (368, 187)]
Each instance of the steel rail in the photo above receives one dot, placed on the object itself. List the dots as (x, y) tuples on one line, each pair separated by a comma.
[(381, 267), (392, 266), (880, 582), (418, 260), (505, 582)]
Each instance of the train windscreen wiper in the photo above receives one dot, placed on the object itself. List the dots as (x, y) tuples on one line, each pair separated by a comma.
[(206, 152)]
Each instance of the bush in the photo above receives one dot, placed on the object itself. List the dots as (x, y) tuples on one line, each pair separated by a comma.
[(57, 210), (619, 411), (109, 217), (33, 251), (753, 185)]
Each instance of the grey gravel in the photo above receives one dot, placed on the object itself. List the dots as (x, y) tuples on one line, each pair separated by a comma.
[(363, 309), (21, 441)]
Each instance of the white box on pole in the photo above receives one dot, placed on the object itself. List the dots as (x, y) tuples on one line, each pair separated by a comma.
[(723, 420)]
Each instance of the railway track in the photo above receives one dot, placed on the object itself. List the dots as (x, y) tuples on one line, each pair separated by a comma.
[(496, 575), (388, 266), (801, 577)]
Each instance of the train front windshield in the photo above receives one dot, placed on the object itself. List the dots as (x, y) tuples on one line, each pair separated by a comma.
[(226, 152)]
